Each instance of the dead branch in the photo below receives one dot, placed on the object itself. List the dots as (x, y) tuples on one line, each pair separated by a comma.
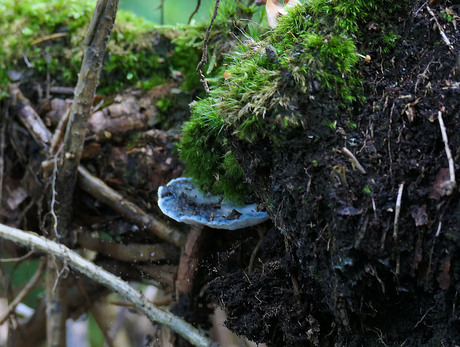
[(17, 259), (132, 252), (4, 109), (28, 117), (99, 190), (198, 3), (107, 279), (115, 200), (96, 40), (24, 292), (189, 261)]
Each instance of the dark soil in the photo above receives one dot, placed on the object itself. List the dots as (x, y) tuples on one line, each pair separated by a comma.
[(340, 268)]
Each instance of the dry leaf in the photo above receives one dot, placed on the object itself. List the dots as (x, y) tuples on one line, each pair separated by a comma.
[(410, 113), (291, 3), (274, 9), (442, 185), (444, 277), (419, 215)]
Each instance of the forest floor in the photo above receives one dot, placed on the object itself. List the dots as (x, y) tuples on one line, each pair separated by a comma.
[(349, 257)]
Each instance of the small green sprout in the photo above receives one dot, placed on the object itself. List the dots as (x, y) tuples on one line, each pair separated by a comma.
[(367, 190)]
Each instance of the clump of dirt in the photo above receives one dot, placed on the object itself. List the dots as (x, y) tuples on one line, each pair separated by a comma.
[(370, 257)]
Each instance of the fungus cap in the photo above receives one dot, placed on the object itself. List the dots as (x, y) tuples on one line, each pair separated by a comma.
[(181, 200)]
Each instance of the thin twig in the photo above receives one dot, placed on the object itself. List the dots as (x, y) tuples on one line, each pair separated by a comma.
[(423, 317), (25, 291), (204, 54), (390, 157), (198, 4), (78, 263), (448, 153), (395, 223), (17, 259), (441, 30), (161, 7), (58, 136), (354, 160), (397, 211), (438, 230)]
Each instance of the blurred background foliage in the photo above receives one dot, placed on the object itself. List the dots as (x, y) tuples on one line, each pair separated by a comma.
[(168, 12)]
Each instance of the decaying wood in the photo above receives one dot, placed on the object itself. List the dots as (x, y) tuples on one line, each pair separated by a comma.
[(28, 117), (189, 261), (130, 111), (99, 190)]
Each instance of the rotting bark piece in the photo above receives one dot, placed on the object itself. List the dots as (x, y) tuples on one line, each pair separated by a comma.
[(442, 185), (29, 118)]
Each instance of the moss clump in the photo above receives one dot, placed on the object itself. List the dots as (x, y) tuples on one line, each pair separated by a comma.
[(137, 54), (211, 154), (273, 87)]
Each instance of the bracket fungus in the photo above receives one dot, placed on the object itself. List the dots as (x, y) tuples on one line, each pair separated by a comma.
[(181, 200)]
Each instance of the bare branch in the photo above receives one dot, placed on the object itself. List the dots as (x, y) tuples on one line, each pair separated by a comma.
[(96, 40), (132, 252), (131, 211), (24, 292), (107, 279)]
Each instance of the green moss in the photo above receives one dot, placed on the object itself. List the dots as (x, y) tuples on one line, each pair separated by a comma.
[(137, 55), (212, 154), (312, 56)]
